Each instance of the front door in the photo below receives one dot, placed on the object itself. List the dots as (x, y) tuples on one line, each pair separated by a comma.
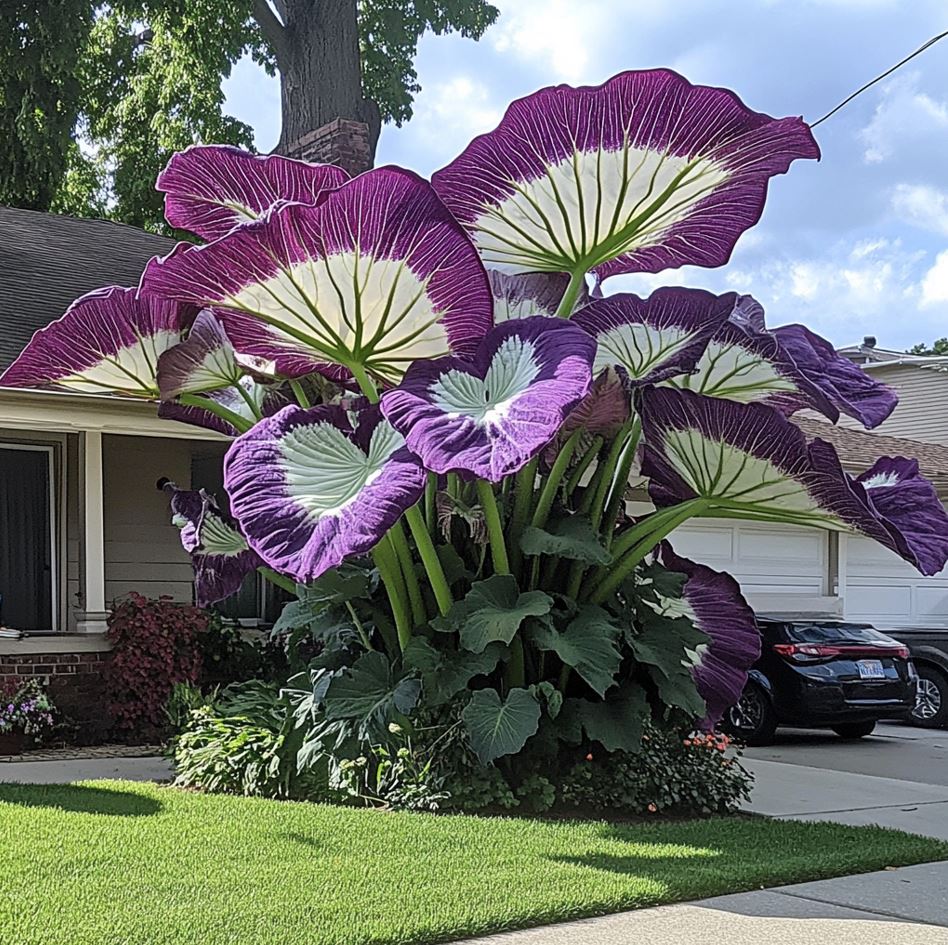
[(26, 538)]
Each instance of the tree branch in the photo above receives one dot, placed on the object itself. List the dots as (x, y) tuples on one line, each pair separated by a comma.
[(271, 27)]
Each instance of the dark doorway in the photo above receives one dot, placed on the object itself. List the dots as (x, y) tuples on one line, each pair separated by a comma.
[(26, 546)]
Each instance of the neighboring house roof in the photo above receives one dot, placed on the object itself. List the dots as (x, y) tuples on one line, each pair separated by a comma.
[(47, 261), (858, 450)]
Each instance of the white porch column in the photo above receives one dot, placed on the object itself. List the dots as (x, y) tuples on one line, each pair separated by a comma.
[(92, 619)]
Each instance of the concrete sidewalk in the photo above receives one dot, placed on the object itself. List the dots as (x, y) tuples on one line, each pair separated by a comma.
[(798, 792), (148, 768), (904, 907)]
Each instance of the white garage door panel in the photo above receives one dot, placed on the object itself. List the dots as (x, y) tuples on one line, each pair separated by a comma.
[(881, 586), (765, 559), (704, 543), (783, 545), (864, 601)]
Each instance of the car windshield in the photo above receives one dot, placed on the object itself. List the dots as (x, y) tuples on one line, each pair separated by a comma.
[(835, 633)]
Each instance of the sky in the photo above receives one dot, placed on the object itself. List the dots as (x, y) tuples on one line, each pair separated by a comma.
[(854, 245)]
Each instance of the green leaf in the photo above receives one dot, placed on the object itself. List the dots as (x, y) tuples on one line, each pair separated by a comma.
[(452, 564), (336, 586), (370, 692), (492, 612), (572, 537), (444, 675), (551, 696), (588, 645), (498, 728), (616, 722), (665, 643)]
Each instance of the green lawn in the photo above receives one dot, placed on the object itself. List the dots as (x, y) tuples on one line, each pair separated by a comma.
[(111, 862)]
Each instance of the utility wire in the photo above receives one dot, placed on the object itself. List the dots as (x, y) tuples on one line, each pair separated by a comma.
[(879, 78)]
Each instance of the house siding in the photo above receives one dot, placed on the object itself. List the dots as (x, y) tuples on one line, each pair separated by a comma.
[(143, 550), (920, 414)]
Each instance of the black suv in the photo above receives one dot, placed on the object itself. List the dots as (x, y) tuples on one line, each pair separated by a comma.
[(816, 673), (929, 651)]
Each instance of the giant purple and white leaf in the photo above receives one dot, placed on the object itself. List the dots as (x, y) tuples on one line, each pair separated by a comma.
[(210, 189), (267, 399), (527, 294), (310, 490), (845, 385), (648, 340), (789, 369), (492, 414), (204, 361), (748, 461), (377, 275), (911, 510), (712, 600), (643, 173), (108, 341), (219, 553)]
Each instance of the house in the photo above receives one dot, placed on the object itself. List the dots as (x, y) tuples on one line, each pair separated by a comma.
[(81, 520)]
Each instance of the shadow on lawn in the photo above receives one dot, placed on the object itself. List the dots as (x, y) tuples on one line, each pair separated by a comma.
[(80, 799)]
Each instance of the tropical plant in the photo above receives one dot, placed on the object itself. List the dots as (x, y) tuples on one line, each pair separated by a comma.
[(450, 506)]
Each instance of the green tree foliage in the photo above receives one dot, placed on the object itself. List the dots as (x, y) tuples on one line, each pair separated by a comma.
[(95, 97), (939, 346), (40, 95)]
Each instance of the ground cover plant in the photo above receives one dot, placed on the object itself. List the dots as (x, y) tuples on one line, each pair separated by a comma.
[(437, 411), (112, 862)]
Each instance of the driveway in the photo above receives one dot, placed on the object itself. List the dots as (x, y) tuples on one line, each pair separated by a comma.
[(897, 777)]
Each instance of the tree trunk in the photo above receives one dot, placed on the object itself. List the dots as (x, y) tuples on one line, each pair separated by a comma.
[(321, 70)]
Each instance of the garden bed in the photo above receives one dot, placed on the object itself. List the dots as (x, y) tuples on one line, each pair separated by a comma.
[(113, 862)]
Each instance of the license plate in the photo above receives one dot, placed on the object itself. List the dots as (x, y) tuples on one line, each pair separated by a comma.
[(870, 669)]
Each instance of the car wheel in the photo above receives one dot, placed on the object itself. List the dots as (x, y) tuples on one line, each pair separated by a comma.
[(931, 702), (752, 720), (855, 729)]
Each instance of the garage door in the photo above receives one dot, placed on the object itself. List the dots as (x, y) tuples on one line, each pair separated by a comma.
[(765, 559), (881, 588)]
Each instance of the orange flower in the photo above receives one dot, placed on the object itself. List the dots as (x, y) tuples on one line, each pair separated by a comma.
[(652, 808), (687, 743), (589, 757)]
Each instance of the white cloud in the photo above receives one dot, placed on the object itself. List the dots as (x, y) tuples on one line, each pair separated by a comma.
[(560, 36), (904, 118), (922, 205), (448, 115), (935, 283)]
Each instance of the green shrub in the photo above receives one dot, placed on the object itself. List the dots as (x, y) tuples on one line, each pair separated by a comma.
[(243, 743), (691, 774)]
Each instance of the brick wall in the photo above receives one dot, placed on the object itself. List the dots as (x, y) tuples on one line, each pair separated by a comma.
[(74, 681), (341, 142)]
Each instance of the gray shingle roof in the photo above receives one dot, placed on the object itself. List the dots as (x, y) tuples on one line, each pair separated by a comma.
[(859, 449), (47, 260)]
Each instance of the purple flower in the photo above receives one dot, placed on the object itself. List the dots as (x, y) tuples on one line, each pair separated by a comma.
[(648, 340), (789, 369), (267, 398), (108, 341), (219, 552), (714, 603), (491, 415), (749, 461), (643, 173), (310, 490), (375, 276), (210, 189)]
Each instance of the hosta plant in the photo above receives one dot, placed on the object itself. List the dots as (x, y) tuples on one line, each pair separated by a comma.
[(439, 407)]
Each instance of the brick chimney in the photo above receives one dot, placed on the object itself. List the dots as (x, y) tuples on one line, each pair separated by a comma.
[(341, 141)]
